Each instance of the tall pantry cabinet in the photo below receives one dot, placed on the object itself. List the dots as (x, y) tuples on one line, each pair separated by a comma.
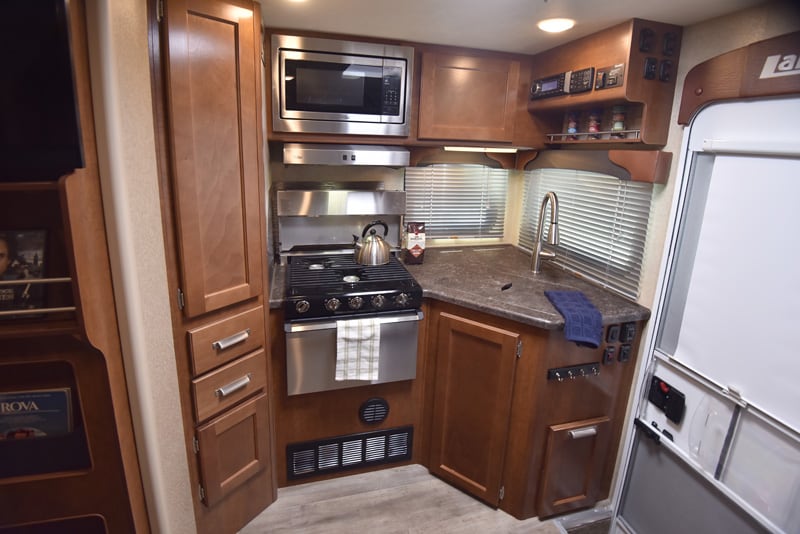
[(207, 76)]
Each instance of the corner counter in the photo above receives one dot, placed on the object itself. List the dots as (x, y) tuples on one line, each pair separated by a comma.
[(474, 277)]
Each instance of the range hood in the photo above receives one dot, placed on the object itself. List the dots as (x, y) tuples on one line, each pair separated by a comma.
[(320, 154)]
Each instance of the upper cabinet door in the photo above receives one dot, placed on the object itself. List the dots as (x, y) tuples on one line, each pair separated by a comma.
[(214, 111), (467, 98)]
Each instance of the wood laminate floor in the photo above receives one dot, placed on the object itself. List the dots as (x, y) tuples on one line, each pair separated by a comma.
[(404, 499)]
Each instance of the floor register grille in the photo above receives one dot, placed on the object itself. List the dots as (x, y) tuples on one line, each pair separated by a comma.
[(345, 452)]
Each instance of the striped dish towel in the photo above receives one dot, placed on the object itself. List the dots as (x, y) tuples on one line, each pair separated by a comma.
[(358, 347)]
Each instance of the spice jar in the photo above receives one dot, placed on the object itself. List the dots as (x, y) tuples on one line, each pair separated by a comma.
[(618, 120), (594, 124), (572, 125)]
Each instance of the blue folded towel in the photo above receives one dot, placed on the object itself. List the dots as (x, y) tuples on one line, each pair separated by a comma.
[(583, 323)]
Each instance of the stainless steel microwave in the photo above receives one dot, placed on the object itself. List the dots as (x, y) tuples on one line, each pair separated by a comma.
[(340, 87)]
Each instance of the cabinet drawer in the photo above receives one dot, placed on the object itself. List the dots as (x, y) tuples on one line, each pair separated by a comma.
[(233, 448), (228, 385), (220, 342), (574, 462)]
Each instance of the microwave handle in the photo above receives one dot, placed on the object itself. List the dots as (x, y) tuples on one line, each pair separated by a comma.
[(330, 325)]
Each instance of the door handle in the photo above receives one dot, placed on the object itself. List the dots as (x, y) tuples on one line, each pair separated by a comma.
[(230, 341), (586, 432)]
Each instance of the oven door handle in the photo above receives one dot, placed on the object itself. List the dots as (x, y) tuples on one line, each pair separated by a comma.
[(330, 325)]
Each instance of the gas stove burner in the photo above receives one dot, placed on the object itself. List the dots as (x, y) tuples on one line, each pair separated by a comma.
[(335, 285)]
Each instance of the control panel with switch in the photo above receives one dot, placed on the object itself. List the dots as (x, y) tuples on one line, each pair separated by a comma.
[(668, 399), (608, 77)]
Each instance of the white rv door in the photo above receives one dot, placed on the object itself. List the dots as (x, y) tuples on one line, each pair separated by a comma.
[(716, 444)]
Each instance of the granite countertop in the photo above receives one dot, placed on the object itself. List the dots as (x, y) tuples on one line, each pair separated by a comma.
[(473, 277)]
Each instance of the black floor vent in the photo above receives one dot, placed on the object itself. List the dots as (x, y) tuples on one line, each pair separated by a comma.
[(343, 452)]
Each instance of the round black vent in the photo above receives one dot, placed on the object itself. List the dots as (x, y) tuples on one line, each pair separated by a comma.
[(374, 411)]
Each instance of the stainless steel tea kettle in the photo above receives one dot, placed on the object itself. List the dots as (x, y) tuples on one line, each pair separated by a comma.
[(373, 249)]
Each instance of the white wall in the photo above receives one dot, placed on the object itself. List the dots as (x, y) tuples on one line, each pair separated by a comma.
[(123, 109)]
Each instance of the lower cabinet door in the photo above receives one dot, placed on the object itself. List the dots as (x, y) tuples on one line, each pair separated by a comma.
[(573, 463), (474, 379), (233, 448)]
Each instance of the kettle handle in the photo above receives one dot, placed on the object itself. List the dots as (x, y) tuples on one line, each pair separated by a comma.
[(375, 223)]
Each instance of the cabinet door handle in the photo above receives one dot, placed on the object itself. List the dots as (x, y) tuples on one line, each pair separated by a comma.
[(230, 341), (583, 432), (233, 387)]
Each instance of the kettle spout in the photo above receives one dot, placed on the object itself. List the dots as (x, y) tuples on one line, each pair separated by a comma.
[(356, 243)]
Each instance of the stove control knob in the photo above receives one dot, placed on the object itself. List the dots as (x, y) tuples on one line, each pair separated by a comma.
[(401, 299), (302, 306), (379, 301), (355, 302), (332, 304)]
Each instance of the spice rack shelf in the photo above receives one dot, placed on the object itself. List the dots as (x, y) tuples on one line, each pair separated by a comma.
[(616, 136), (643, 56)]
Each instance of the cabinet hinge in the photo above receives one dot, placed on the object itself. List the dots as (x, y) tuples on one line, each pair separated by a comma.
[(195, 445), (160, 10), (519, 348), (502, 492), (181, 301), (202, 493)]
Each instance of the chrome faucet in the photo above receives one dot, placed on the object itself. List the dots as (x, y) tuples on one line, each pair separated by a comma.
[(552, 234)]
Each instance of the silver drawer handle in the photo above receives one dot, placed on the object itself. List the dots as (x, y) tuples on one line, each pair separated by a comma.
[(230, 341), (583, 432), (234, 386)]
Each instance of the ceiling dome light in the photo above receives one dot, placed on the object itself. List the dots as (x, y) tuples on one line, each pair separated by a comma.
[(555, 25)]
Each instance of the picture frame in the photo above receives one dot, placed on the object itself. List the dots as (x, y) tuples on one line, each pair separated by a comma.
[(22, 268)]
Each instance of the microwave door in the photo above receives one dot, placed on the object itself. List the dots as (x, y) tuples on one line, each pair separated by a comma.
[(331, 87)]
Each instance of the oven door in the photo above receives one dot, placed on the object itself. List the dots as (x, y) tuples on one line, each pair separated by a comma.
[(311, 353)]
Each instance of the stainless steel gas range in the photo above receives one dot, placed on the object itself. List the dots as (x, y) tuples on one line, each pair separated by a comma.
[(340, 314)]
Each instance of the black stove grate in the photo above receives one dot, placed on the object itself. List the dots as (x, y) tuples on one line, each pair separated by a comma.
[(323, 271), (335, 285)]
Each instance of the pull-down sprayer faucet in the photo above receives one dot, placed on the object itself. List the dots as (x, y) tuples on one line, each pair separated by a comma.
[(552, 233)]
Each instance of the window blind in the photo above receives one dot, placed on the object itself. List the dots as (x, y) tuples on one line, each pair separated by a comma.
[(602, 224), (457, 201)]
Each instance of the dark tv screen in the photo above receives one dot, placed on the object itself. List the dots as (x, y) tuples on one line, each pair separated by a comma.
[(39, 125)]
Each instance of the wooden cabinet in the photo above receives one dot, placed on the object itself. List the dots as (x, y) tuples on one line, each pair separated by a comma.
[(214, 100), (504, 429), (634, 66), (213, 209), (468, 97), (474, 380), (233, 448), (86, 479), (574, 454)]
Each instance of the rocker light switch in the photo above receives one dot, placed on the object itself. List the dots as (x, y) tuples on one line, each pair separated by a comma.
[(650, 66), (612, 336), (628, 332)]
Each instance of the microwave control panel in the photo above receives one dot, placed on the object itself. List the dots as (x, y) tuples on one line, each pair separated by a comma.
[(569, 82), (392, 90)]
